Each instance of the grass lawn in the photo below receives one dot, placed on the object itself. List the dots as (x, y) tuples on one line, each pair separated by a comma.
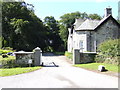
[(15, 71), (94, 66)]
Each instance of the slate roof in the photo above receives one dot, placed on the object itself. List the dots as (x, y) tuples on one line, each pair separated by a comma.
[(89, 24), (78, 22)]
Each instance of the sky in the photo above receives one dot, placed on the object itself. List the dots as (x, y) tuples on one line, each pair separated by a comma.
[(58, 8)]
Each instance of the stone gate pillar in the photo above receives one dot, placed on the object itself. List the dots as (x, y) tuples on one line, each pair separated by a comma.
[(76, 56), (37, 56)]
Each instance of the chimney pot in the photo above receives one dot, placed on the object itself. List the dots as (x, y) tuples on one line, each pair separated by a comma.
[(108, 11)]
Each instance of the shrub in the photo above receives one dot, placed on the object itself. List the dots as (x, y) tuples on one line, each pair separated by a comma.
[(69, 55), (49, 49), (7, 62), (5, 51), (10, 62), (110, 47), (7, 48), (109, 52)]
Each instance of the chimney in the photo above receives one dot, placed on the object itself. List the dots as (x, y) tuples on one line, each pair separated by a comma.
[(108, 11)]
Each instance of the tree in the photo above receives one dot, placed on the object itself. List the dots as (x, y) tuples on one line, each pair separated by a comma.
[(22, 29), (69, 18), (54, 40), (64, 35), (95, 16), (52, 24)]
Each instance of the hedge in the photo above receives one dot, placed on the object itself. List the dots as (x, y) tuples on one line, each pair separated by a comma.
[(109, 52), (5, 51), (10, 62), (7, 62), (69, 55)]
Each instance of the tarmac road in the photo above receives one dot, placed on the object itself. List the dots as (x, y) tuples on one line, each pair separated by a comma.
[(64, 76)]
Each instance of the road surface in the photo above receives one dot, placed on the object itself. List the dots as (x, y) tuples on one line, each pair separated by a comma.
[(64, 76)]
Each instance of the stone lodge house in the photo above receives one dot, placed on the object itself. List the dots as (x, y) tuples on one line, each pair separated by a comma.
[(87, 34)]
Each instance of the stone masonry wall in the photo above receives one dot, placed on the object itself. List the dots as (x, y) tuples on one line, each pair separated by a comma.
[(109, 30), (85, 57)]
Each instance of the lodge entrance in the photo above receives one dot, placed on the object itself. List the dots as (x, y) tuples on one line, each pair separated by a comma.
[(47, 62)]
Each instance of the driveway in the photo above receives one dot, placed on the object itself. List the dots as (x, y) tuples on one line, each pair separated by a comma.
[(64, 76)]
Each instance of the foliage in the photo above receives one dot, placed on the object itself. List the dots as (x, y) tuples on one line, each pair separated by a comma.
[(69, 18), (64, 35), (95, 16), (16, 71), (94, 66), (48, 49), (69, 55), (0, 41), (7, 48), (105, 59), (109, 52), (22, 29), (54, 40), (110, 47), (10, 62), (7, 62), (5, 51)]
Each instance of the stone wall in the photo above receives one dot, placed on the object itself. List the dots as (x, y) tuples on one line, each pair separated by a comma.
[(87, 57), (108, 30), (83, 57), (24, 57), (76, 56), (33, 58)]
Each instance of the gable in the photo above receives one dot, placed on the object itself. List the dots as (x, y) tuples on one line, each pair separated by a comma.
[(107, 19), (95, 24)]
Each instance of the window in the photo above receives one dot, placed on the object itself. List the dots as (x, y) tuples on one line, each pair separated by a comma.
[(81, 44)]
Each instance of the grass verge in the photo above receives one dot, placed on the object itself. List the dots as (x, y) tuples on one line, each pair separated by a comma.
[(16, 71), (94, 66)]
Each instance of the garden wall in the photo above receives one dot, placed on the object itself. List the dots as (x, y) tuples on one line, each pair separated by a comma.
[(22, 59), (83, 57)]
